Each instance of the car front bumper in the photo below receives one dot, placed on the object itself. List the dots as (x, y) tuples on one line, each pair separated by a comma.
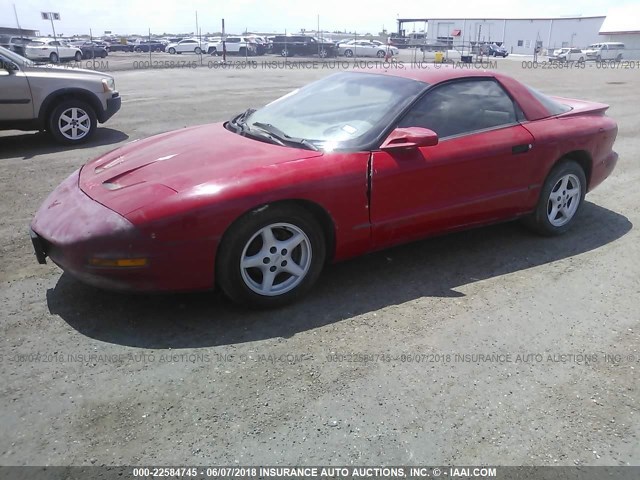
[(113, 105), (76, 233), (70, 228)]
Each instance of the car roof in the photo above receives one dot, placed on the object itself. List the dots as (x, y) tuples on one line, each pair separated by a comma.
[(433, 75)]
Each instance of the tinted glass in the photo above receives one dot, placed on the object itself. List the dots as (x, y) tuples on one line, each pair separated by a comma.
[(554, 107), (462, 107)]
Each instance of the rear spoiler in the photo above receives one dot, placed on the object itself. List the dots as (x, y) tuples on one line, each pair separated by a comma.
[(581, 107)]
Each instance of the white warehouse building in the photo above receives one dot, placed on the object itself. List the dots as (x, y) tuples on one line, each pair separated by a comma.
[(518, 35), (623, 26)]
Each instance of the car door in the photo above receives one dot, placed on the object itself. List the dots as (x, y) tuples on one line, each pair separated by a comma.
[(480, 170), (15, 94), (185, 46)]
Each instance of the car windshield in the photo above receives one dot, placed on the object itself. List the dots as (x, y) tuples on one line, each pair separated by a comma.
[(14, 57), (344, 110)]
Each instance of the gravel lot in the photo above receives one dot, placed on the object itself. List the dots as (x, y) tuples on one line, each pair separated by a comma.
[(92, 377)]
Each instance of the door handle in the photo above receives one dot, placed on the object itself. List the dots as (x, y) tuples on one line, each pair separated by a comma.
[(521, 148)]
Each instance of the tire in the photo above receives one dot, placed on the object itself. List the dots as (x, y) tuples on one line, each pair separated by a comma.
[(103, 54), (213, 51), (619, 57), (598, 58), (565, 176), (381, 54), (323, 53), (244, 240), (285, 53), (242, 52), (348, 53), (137, 50), (53, 58), (63, 115), (197, 51), (581, 60), (78, 57), (172, 51)]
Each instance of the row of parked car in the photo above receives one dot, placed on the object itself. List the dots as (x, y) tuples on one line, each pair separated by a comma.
[(596, 51), (55, 50), (51, 49), (283, 45)]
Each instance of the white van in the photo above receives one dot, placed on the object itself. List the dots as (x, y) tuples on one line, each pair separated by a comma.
[(605, 51)]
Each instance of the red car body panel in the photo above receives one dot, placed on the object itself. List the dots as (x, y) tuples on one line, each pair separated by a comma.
[(170, 198)]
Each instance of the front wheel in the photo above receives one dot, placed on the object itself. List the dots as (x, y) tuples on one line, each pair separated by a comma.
[(285, 53), (560, 200), (323, 53), (381, 54), (72, 122), (172, 51), (348, 53), (78, 57), (53, 58), (271, 256), (198, 51)]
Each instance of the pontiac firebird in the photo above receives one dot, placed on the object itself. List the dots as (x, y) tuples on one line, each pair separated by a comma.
[(352, 163)]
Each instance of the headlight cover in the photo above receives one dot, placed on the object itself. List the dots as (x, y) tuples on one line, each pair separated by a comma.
[(109, 85)]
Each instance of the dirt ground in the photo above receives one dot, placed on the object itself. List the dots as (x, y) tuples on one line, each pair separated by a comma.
[(380, 364)]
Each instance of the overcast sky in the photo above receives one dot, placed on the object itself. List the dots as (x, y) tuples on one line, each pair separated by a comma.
[(362, 16)]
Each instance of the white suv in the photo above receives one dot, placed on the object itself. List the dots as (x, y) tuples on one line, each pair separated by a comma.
[(50, 49), (188, 45), (238, 45)]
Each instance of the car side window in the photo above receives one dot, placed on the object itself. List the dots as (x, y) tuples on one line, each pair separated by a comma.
[(462, 107)]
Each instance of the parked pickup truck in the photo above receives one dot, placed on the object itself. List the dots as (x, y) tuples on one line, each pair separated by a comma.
[(288, 45), (66, 102)]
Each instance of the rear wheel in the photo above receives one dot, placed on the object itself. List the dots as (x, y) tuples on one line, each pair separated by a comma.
[(271, 256), (381, 54), (72, 122), (323, 53), (348, 53), (198, 51), (560, 200), (285, 52), (54, 57)]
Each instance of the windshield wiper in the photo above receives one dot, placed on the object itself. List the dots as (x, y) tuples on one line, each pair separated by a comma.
[(240, 120), (283, 137)]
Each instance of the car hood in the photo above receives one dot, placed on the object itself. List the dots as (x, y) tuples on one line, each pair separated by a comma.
[(49, 71), (145, 171)]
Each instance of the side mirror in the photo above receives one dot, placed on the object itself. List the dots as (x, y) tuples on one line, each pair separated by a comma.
[(8, 66), (411, 137)]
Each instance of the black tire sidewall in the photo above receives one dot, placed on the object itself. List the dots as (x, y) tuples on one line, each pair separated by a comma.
[(539, 221), (52, 121), (228, 272)]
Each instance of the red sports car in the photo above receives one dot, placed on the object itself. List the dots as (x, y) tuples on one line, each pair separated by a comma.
[(349, 164)]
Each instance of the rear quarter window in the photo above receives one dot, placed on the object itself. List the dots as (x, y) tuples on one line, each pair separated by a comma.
[(554, 107)]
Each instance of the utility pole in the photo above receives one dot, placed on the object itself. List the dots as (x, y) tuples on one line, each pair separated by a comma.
[(15, 12)]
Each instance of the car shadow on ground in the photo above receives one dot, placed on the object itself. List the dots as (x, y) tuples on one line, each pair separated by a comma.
[(32, 144), (429, 268)]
